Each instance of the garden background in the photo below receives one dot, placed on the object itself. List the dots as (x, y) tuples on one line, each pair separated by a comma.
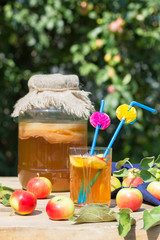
[(114, 48)]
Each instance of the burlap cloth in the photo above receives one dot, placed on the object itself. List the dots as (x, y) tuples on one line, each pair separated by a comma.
[(57, 91)]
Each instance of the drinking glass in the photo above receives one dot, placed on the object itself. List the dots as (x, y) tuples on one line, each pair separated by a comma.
[(90, 176)]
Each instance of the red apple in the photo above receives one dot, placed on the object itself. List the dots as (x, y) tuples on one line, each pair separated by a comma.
[(60, 207), (84, 4), (117, 58), (154, 189), (120, 21), (99, 43), (114, 26), (132, 181), (129, 198), (40, 186), (133, 178), (23, 202), (115, 183), (85, 8), (111, 89)]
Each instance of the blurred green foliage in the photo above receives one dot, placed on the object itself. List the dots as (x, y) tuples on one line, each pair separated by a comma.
[(114, 47)]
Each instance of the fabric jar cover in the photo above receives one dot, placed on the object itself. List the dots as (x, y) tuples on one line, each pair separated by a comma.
[(57, 91)]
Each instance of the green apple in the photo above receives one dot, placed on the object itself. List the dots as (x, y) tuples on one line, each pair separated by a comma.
[(115, 183)]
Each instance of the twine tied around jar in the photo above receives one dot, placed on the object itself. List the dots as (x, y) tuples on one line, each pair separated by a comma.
[(51, 89), (57, 91)]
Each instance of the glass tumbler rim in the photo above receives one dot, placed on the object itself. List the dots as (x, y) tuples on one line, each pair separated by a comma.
[(83, 150), (89, 147)]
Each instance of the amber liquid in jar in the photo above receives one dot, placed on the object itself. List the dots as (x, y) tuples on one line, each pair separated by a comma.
[(44, 149)]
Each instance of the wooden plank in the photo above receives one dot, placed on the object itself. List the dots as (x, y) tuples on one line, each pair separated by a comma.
[(38, 226)]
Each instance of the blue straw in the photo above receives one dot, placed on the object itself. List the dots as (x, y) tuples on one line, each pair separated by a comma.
[(82, 195), (114, 137), (122, 122), (96, 130), (142, 106)]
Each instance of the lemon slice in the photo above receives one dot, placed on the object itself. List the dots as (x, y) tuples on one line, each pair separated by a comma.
[(76, 161), (96, 162)]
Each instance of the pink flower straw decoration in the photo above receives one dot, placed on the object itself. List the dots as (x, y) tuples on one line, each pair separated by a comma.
[(101, 119)]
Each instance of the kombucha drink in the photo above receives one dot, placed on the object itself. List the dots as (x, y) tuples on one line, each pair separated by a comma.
[(44, 149), (83, 169)]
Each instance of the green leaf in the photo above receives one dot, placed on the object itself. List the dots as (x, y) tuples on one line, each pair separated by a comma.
[(101, 77), (121, 173), (155, 212), (124, 223), (72, 219), (147, 176), (120, 163), (85, 49), (95, 213), (92, 15), (157, 162), (5, 193), (78, 57), (95, 32), (112, 101), (153, 170), (151, 218), (5, 190), (147, 163), (5, 200), (126, 210), (127, 95), (127, 79), (74, 48), (88, 68), (102, 213), (8, 189)]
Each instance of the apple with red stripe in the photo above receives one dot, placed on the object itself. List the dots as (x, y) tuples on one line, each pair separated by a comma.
[(129, 198), (40, 186), (60, 208), (133, 179), (23, 202)]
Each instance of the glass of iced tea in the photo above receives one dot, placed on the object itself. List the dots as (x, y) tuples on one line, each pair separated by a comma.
[(90, 176)]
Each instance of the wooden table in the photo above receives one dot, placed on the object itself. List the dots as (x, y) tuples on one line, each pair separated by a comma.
[(38, 226)]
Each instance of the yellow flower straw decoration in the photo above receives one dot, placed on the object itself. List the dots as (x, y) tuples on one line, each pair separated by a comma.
[(126, 111)]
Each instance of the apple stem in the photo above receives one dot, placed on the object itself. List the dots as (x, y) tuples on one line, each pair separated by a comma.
[(130, 164), (131, 185), (38, 175), (12, 213), (59, 199)]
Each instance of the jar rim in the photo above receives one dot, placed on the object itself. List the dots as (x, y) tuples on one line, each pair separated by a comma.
[(44, 110)]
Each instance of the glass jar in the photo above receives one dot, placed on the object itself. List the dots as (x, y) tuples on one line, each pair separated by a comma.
[(45, 137)]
